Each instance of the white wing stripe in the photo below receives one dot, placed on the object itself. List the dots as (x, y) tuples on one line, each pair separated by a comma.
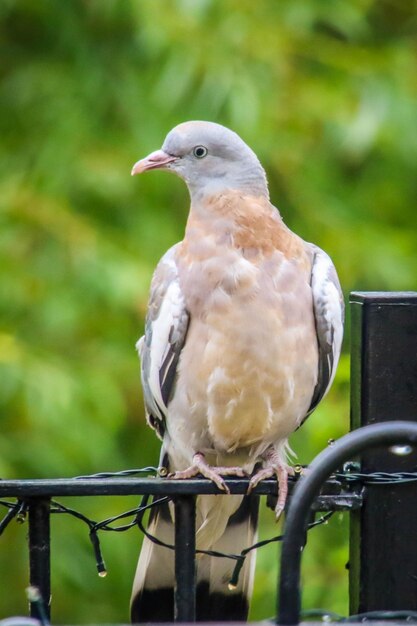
[(329, 313), (171, 309)]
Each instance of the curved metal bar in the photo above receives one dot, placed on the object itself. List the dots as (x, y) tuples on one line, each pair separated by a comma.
[(308, 487)]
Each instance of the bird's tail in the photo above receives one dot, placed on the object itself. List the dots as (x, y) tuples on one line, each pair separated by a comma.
[(225, 524)]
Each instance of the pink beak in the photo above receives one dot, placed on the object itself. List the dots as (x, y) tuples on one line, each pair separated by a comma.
[(153, 161)]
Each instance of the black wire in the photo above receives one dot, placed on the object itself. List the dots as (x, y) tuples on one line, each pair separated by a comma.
[(409, 616), (131, 472), (19, 508), (94, 527), (57, 507), (330, 616), (144, 506), (11, 514), (377, 478), (35, 600)]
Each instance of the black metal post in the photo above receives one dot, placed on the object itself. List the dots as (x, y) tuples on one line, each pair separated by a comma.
[(184, 596), (307, 489), (383, 545), (39, 554)]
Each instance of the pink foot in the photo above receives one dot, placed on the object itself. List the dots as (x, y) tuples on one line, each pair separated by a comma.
[(200, 466), (274, 466)]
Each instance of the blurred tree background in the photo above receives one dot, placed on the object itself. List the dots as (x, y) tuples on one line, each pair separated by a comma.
[(323, 91)]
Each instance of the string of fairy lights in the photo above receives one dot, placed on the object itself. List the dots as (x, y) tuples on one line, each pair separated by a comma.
[(134, 518)]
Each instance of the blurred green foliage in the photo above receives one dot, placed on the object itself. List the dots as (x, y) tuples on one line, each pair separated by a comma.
[(324, 92)]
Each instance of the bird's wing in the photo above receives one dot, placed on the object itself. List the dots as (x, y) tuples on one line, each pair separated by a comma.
[(329, 316), (160, 348)]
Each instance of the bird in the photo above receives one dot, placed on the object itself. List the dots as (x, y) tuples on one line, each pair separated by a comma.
[(242, 338)]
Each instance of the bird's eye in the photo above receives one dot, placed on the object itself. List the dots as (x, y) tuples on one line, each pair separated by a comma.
[(200, 152)]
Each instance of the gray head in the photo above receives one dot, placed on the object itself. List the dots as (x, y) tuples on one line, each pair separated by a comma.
[(210, 158)]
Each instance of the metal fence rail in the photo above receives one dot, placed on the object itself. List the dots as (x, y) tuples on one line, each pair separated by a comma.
[(35, 496)]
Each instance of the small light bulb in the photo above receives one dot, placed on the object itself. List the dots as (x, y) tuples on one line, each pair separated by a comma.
[(33, 594), (401, 450)]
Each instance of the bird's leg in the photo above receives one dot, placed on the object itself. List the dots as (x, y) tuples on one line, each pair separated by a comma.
[(200, 466), (274, 466)]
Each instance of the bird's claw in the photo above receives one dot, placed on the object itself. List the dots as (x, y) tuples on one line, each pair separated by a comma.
[(274, 467), (262, 474), (200, 466)]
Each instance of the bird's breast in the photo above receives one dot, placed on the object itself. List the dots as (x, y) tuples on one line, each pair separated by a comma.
[(249, 365)]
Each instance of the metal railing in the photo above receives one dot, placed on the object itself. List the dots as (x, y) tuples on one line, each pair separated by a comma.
[(35, 496)]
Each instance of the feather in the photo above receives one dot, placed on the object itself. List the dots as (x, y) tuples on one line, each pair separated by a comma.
[(165, 331), (329, 317)]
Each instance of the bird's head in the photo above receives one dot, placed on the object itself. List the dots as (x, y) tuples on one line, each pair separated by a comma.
[(210, 158)]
